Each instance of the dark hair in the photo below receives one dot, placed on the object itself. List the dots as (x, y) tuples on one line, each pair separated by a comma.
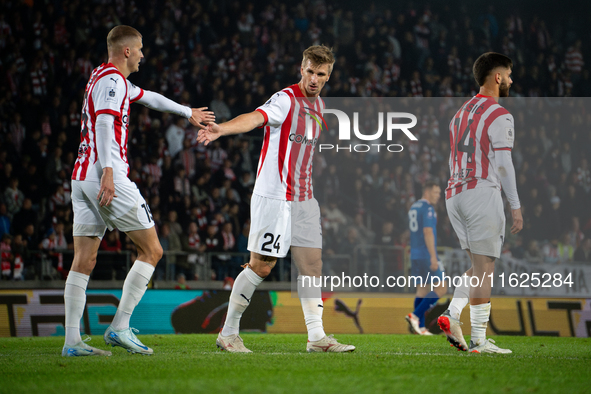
[(429, 184), (488, 62)]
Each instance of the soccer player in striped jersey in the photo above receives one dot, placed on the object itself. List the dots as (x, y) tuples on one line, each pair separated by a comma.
[(103, 195), (284, 213), (481, 137)]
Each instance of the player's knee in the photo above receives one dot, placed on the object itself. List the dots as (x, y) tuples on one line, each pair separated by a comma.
[(262, 267), (263, 271), (153, 254), (157, 252)]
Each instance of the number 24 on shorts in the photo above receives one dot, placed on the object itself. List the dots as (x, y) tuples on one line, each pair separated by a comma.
[(271, 240)]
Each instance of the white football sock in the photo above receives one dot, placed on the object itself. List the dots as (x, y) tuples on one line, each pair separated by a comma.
[(244, 286), (461, 298), (74, 300), (479, 315), (134, 287), (310, 294)]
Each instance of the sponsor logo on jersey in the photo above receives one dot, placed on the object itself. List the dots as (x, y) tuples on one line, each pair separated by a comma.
[(302, 139)]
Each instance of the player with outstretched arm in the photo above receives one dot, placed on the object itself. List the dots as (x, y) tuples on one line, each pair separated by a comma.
[(103, 195), (482, 134), (422, 222), (284, 213)]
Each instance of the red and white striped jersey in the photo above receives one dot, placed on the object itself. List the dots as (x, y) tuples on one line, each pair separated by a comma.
[(477, 130), (107, 92), (285, 165)]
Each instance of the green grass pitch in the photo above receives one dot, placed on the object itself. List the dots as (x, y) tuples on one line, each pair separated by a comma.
[(279, 364)]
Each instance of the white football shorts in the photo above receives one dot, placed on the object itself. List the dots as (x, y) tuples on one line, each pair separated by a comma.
[(478, 218), (127, 212), (276, 225)]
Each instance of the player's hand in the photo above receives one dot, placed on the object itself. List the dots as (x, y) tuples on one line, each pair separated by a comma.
[(107, 190), (200, 117), (434, 263), (212, 132), (517, 221)]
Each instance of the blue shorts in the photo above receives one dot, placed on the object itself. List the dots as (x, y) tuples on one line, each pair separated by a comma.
[(422, 268)]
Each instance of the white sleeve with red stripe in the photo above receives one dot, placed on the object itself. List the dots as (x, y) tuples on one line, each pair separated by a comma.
[(501, 132), (108, 95), (276, 109), (135, 93)]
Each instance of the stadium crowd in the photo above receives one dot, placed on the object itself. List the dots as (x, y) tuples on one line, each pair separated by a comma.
[(231, 56)]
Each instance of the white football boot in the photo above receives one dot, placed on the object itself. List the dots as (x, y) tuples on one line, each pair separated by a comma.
[(413, 323), (328, 344), (453, 331), (231, 343), (487, 346), (82, 349), (425, 331), (127, 340)]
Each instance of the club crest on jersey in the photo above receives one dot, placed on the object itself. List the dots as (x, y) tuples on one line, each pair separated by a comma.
[(509, 133), (83, 150), (111, 95)]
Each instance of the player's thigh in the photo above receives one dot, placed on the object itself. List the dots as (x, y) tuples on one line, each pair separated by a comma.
[(148, 245), (128, 211), (485, 221), (270, 226), (88, 221), (306, 226), (421, 273), (456, 219), (307, 260)]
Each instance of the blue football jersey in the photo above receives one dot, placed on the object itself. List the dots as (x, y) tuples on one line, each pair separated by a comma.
[(421, 215)]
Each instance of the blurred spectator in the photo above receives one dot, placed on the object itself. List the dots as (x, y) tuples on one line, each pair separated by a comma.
[(220, 108), (19, 252), (6, 256), (565, 249), (583, 252), (175, 135), (112, 243), (192, 244), (214, 244), (13, 197), (181, 282), (533, 253), (170, 243), (518, 251), (4, 220)]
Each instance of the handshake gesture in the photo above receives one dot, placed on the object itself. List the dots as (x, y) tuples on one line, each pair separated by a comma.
[(201, 117)]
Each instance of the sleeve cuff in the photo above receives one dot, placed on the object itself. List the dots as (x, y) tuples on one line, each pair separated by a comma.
[(139, 96), (264, 115), (505, 148), (108, 111)]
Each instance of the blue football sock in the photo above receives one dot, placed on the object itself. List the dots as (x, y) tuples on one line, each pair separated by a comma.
[(421, 318), (427, 302)]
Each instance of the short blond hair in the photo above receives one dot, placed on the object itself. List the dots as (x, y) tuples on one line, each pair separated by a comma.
[(119, 34), (319, 55)]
